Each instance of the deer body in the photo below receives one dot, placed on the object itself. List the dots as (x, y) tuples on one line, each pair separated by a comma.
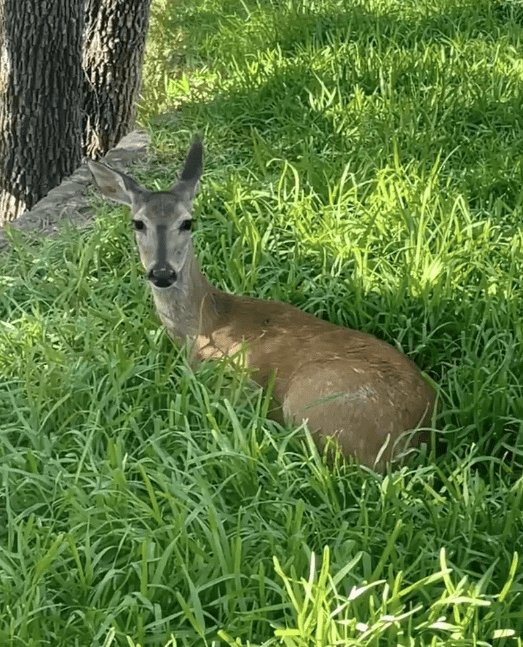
[(346, 384)]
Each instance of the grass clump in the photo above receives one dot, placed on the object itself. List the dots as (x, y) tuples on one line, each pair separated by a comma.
[(363, 163)]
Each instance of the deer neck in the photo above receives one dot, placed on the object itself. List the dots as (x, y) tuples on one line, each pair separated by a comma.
[(192, 306)]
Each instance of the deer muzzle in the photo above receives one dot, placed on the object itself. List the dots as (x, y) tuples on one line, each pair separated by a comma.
[(162, 277)]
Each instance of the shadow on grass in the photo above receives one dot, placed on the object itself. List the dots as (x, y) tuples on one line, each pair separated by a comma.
[(480, 19), (376, 99)]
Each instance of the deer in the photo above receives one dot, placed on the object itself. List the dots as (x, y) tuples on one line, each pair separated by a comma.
[(354, 392)]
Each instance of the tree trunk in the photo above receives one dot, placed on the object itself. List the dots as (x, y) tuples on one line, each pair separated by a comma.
[(49, 105), (112, 59), (40, 99)]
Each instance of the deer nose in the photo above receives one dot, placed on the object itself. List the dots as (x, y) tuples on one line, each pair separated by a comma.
[(162, 277)]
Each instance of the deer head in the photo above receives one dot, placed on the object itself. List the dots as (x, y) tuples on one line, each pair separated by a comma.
[(162, 220)]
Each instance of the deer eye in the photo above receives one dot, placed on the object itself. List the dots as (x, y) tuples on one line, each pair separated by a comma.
[(186, 225), (139, 225)]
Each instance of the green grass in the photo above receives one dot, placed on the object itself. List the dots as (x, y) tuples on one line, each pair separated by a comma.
[(363, 162)]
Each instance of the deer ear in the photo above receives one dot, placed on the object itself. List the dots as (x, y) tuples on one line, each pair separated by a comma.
[(113, 184), (188, 182)]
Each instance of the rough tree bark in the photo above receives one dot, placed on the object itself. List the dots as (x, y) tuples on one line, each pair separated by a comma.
[(40, 115), (112, 59), (63, 90)]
